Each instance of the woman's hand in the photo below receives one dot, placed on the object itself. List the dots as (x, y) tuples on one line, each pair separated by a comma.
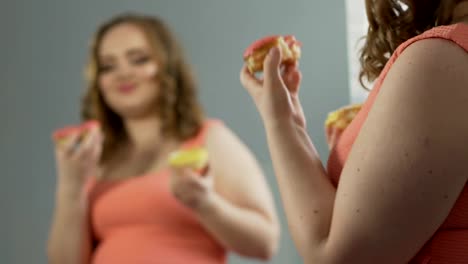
[(78, 158), (277, 94), (332, 134), (192, 189)]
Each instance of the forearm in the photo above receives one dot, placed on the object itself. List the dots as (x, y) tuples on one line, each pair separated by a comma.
[(307, 193), (69, 242), (244, 231)]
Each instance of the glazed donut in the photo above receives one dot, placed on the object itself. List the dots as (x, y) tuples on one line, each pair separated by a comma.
[(255, 54), (342, 117), (194, 158), (61, 135)]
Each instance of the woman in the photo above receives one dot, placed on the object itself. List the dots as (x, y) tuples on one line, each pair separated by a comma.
[(134, 209), (402, 194)]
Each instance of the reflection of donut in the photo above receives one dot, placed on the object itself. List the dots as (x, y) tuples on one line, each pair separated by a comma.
[(62, 134), (194, 158), (255, 54), (342, 117)]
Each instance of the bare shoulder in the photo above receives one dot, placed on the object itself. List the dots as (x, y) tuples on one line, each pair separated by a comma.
[(406, 167), (429, 83), (218, 131), (433, 60), (225, 144)]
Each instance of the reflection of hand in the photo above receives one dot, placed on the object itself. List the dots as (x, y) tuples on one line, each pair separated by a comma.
[(276, 96), (192, 189), (338, 120), (333, 134), (78, 157)]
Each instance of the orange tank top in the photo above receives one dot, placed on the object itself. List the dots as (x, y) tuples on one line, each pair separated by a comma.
[(449, 244), (138, 221)]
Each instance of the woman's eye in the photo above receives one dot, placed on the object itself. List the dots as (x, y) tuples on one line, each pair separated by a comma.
[(105, 68), (140, 60)]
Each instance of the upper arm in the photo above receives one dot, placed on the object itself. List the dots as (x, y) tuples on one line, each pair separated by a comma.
[(238, 176), (407, 165)]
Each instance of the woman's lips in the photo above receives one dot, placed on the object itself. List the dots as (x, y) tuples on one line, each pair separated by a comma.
[(127, 88)]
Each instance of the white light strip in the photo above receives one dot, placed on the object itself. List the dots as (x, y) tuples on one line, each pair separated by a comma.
[(356, 29)]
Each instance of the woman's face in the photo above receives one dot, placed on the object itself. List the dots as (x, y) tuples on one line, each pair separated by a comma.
[(127, 71)]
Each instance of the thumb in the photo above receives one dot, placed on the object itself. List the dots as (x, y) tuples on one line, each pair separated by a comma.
[(271, 67)]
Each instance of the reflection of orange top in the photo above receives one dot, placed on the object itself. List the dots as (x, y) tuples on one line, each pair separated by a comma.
[(450, 243), (138, 221)]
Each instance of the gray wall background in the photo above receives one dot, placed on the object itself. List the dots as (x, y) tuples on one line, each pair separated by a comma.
[(43, 49)]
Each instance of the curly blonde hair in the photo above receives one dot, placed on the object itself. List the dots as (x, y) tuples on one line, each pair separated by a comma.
[(392, 22), (177, 105)]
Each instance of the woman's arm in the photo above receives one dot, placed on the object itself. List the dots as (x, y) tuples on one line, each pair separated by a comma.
[(69, 238), (242, 214), (403, 175), (70, 235)]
